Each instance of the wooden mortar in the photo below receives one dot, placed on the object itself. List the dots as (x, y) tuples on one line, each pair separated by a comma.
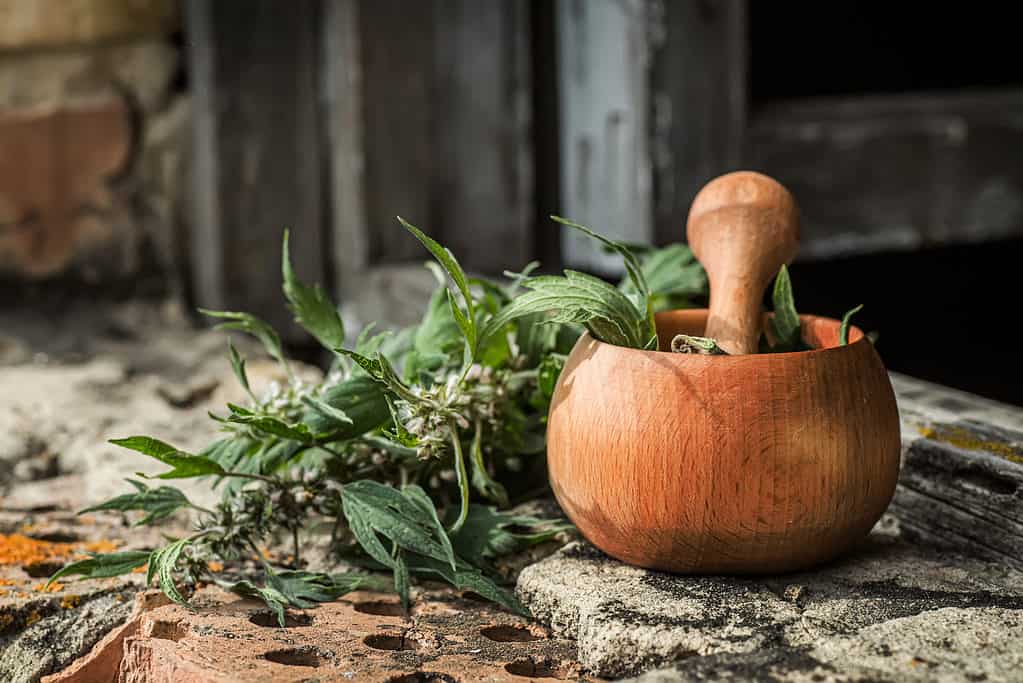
[(727, 464)]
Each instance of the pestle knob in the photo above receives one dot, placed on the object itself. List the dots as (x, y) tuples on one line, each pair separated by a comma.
[(743, 227)]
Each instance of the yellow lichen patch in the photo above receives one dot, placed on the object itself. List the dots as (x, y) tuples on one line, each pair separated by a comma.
[(967, 440), (70, 601)]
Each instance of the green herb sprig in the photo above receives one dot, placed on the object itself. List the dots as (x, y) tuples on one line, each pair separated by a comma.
[(410, 450)]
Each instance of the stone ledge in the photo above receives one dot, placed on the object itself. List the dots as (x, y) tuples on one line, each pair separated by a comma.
[(890, 610)]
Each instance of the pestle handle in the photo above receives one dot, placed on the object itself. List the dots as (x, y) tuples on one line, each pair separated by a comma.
[(743, 227)]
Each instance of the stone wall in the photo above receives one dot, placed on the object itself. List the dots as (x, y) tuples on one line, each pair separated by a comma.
[(90, 138)]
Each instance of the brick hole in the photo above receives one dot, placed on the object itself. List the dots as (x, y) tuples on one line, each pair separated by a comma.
[(380, 641), (297, 656), (508, 633), (167, 630), (531, 668), (423, 677), (380, 608), (268, 619)]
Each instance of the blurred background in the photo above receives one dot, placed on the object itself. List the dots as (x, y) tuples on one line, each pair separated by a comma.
[(155, 150)]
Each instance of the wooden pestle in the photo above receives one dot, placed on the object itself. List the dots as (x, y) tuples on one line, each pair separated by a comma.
[(743, 227)]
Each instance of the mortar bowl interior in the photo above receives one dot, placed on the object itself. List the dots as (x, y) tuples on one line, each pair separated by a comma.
[(724, 464)]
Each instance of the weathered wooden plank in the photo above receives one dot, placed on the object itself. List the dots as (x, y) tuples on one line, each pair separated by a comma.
[(484, 185), (603, 73), (699, 102), (896, 172), (401, 156), (255, 67), (961, 484), (343, 114)]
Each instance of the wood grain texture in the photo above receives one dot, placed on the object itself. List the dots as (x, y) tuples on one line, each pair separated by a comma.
[(724, 464), (698, 95), (257, 150), (743, 227)]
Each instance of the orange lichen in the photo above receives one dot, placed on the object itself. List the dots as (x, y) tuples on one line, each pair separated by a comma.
[(70, 601), (32, 618), (8, 582), (54, 587), (967, 440), (215, 566), (3, 592), (22, 550)]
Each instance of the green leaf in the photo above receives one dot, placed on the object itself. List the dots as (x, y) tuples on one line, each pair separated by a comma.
[(547, 375), (245, 322), (271, 425), (102, 566), (271, 597), (467, 577), (481, 479), (373, 508), (160, 502), (312, 307), (632, 268), (448, 261), (162, 563), (183, 465), (368, 365), (785, 321), (467, 327), (463, 479), (490, 533), (238, 365), (843, 331), (362, 399), (335, 416), (419, 498), (578, 298), (673, 275)]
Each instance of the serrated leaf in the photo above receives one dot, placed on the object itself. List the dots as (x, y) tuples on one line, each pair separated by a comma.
[(418, 497), (102, 566), (246, 322), (673, 275), (605, 311), (448, 261), (843, 331), (467, 577), (184, 465), (162, 563), (384, 510), (313, 309), (490, 533), (785, 321), (159, 503), (632, 268)]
